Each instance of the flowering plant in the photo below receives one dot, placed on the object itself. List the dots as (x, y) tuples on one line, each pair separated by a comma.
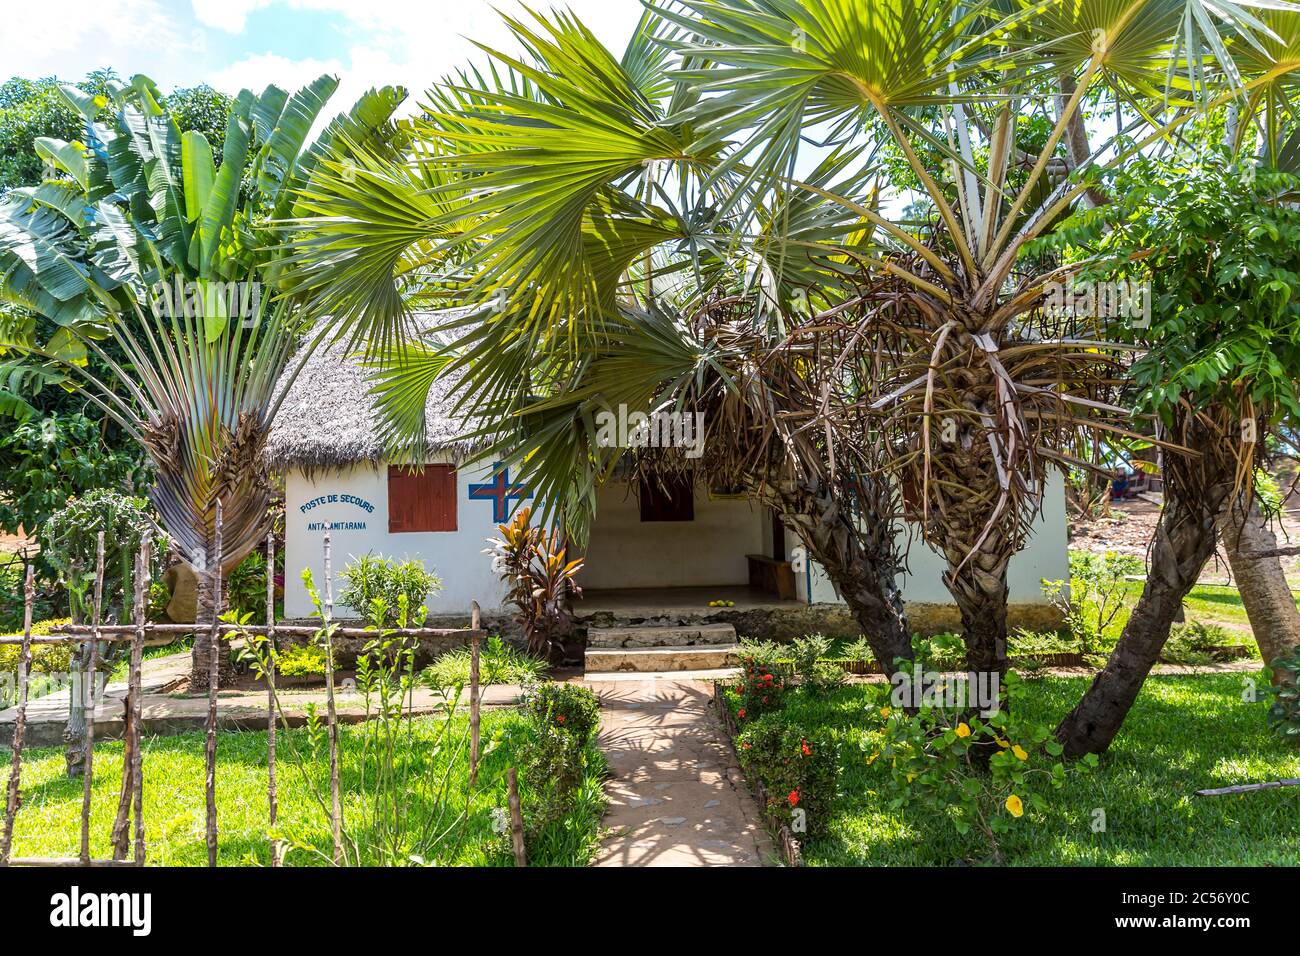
[(800, 770), (986, 772), (762, 680)]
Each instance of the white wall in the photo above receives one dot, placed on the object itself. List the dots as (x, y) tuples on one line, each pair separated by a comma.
[(625, 552), (456, 556), (1045, 556)]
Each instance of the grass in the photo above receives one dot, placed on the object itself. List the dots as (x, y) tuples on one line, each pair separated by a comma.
[(49, 823), (499, 663), (1185, 733)]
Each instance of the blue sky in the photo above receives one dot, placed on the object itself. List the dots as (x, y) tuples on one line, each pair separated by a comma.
[(232, 44)]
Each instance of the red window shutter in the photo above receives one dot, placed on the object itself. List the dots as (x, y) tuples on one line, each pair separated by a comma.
[(421, 500)]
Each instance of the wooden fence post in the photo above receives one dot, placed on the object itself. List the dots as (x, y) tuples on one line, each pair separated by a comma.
[(214, 678), (474, 696), (92, 670), (336, 811), (20, 723), (516, 818), (143, 580), (271, 796)]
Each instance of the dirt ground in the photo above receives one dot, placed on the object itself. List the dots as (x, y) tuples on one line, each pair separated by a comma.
[(1131, 524)]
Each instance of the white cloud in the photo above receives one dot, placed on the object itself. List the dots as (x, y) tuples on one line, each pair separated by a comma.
[(413, 44), (81, 35)]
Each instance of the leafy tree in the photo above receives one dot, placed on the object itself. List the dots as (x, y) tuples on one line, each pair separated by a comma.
[(140, 241), (48, 460), (1219, 242)]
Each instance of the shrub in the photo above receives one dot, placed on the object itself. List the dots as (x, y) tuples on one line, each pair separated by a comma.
[(562, 719), (499, 663), (762, 679), (1196, 642), (983, 772), (859, 650), (1284, 714), (540, 579), (816, 674), (799, 768), (372, 578), (1094, 596), (69, 541), (570, 707), (301, 661), (246, 588), (939, 650)]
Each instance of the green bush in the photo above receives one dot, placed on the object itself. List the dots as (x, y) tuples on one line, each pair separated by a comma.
[(1195, 642), (762, 679), (69, 545), (499, 663), (301, 661), (372, 578), (984, 773), (799, 768), (572, 708), (1284, 714), (562, 719), (816, 674), (859, 650)]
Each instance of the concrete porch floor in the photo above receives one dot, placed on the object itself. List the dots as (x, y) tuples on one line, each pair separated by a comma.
[(655, 602)]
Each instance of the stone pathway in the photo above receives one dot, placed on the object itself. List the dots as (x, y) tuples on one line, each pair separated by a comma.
[(676, 799)]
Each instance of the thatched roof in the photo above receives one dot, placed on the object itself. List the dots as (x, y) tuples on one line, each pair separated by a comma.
[(328, 420)]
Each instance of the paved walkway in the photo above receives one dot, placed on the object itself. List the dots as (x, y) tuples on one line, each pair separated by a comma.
[(675, 797)]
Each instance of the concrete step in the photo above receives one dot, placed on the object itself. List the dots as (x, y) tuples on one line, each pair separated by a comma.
[(681, 658), (687, 635)]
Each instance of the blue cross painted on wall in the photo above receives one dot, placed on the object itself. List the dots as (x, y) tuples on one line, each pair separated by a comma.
[(500, 492)]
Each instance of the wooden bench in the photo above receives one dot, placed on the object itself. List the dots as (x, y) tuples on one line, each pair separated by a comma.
[(773, 576)]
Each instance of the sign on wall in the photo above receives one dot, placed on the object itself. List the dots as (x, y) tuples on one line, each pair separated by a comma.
[(332, 499)]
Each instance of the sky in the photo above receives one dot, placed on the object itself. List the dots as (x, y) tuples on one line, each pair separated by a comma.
[(232, 44)]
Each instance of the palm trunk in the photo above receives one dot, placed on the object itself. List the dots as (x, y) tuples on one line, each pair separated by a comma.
[(980, 592), (860, 558), (1270, 605), (200, 656), (1183, 543)]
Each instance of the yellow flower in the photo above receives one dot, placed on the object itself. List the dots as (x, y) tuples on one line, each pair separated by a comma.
[(1004, 744), (872, 758), (962, 730), (885, 711), (1019, 751), (911, 777), (1014, 806)]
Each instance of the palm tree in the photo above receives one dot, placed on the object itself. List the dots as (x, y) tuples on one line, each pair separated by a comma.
[(608, 263), (140, 238), (637, 228)]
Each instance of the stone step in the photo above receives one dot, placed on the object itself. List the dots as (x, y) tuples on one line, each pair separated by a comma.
[(681, 658), (665, 635)]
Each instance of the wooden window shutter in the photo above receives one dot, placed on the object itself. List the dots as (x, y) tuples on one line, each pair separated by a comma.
[(675, 501), (421, 500)]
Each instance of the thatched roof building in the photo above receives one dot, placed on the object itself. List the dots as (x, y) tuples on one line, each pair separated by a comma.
[(329, 419)]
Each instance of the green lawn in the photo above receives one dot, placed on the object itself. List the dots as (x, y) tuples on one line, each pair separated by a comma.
[(49, 822), (1184, 733)]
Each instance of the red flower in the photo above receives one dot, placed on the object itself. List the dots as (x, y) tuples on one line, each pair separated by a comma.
[(794, 797), (767, 677), (807, 751), (741, 713), (559, 719), (765, 700)]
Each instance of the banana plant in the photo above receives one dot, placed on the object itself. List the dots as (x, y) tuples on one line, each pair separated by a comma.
[(166, 264)]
